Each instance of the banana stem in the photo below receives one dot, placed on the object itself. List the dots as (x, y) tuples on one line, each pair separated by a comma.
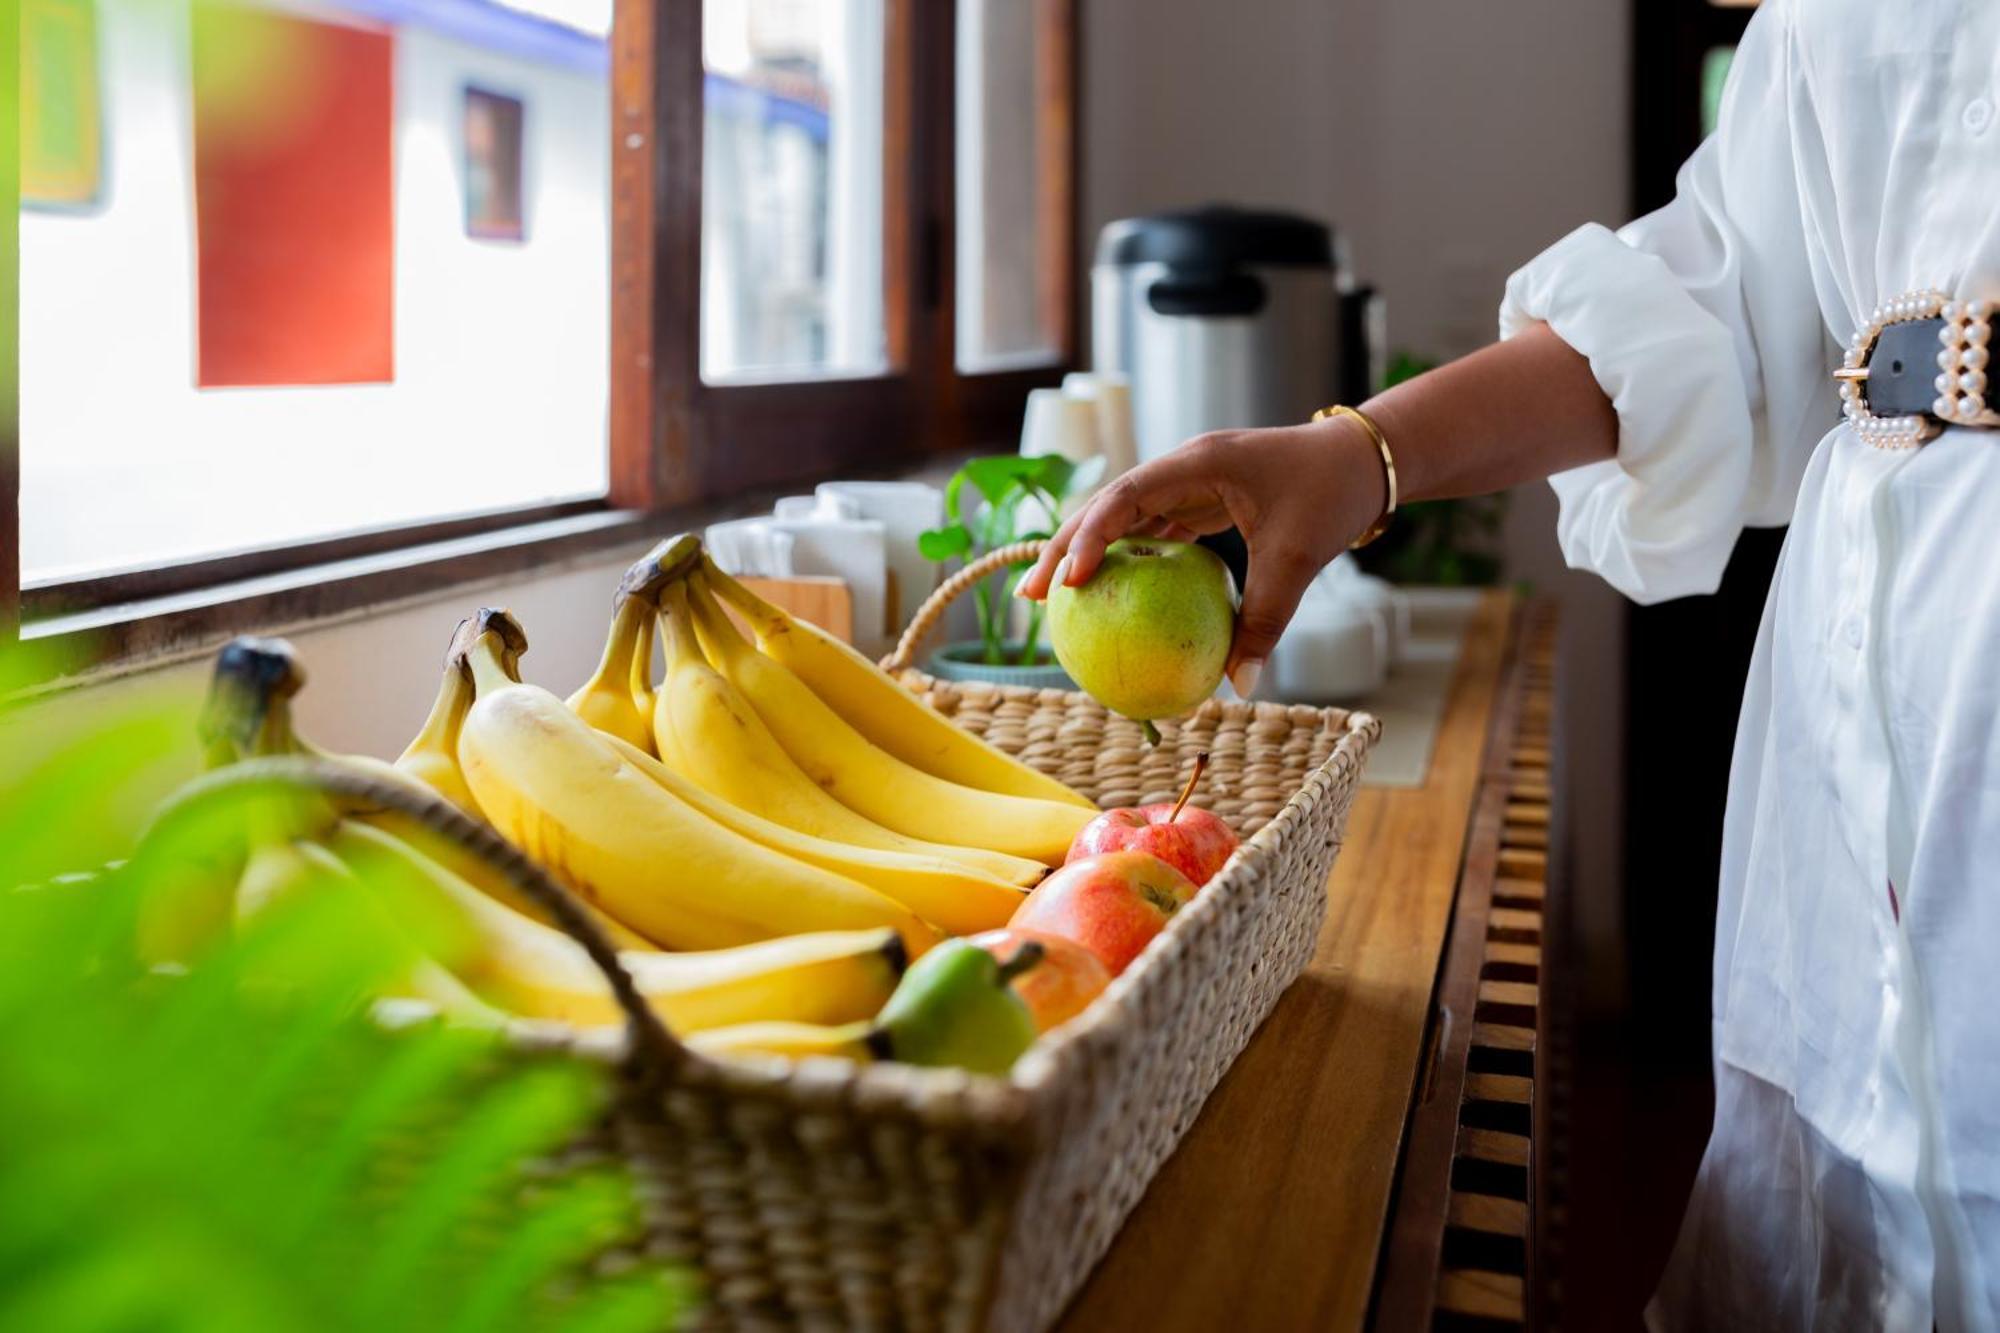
[(765, 619), (616, 663), (641, 678), (454, 696), (1200, 764), (489, 664), (252, 677), (677, 625), (720, 638)]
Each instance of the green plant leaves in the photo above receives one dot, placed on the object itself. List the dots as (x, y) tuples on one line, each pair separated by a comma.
[(945, 543), (1010, 487)]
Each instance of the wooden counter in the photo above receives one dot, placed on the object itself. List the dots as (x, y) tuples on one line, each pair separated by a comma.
[(1273, 1213)]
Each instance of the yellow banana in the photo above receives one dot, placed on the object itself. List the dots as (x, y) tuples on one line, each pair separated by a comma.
[(249, 712), (439, 990), (617, 838), (868, 779), (605, 700), (432, 757), (878, 707), (280, 868), (710, 735), (642, 670), (847, 1041), (952, 897), (522, 966)]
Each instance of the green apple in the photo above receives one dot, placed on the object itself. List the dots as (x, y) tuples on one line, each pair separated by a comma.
[(1148, 636)]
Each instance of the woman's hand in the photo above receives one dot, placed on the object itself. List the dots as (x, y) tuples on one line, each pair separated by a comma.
[(1298, 494)]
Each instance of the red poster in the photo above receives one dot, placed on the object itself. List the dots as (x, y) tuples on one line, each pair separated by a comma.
[(295, 232)]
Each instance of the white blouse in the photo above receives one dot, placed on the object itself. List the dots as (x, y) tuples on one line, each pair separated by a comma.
[(1853, 1177)]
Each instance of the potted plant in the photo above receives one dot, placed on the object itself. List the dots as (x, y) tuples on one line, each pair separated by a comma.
[(1022, 499)]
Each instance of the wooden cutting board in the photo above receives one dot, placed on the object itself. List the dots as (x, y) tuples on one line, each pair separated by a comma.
[(825, 602)]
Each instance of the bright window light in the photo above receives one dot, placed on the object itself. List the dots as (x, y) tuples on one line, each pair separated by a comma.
[(464, 371)]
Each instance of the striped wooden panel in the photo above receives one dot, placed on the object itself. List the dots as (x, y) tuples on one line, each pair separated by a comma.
[(1477, 1277), (1468, 1226)]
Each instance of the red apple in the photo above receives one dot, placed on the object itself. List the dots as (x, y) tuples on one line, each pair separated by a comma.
[(1111, 904), (1059, 987), (1191, 840)]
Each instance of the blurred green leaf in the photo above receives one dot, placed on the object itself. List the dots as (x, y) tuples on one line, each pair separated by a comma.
[(944, 543), (1050, 473), (996, 474), (238, 1145)]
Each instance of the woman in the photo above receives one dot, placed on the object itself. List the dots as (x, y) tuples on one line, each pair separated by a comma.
[(1674, 381)]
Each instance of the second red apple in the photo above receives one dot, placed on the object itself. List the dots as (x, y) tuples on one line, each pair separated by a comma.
[(1188, 838)]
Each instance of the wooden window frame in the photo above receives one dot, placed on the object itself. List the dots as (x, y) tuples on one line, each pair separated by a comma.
[(678, 446), (676, 439)]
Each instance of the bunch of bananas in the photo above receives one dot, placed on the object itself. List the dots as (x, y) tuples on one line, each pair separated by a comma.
[(768, 833)]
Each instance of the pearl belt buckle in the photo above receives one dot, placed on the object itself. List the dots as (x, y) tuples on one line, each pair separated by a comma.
[(1964, 335)]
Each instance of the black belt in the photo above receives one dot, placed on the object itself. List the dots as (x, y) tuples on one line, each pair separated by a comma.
[(1919, 365)]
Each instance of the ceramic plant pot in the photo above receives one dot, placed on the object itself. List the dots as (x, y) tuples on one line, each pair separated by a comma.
[(965, 660)]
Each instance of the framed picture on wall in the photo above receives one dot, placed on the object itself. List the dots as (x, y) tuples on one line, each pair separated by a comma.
[(62, 125), (493, 134)]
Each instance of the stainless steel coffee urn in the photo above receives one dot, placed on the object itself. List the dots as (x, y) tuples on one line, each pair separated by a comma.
[(1222, 317)]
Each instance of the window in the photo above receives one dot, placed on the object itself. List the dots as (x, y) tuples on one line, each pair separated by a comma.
[(298, 283), (791, 275), (1008, 144), (494, 129), (270, 322)]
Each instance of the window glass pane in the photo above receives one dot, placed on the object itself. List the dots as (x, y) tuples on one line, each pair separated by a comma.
[(792, 188), (1003, 314), (1714, 76), (289, 273)]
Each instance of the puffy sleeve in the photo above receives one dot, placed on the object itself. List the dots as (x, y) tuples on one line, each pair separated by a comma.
[(1702, 326)]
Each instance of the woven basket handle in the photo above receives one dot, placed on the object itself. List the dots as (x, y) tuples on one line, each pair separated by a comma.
[(951, 590), (654, 1050)]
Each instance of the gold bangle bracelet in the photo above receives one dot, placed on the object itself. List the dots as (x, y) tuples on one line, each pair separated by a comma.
[(1381, 524)]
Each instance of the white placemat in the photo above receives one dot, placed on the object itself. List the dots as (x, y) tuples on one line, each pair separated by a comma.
[(1411, 702)]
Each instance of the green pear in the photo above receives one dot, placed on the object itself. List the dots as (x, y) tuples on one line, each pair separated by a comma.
[(1148, 636), (955, 1007)]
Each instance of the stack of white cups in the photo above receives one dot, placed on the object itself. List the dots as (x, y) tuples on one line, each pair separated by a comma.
[(1089, 417)]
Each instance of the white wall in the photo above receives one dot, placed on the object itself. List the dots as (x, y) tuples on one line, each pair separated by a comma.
[(502, 349), (1450, 141)]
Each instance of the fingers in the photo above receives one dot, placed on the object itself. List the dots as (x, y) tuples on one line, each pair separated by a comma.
[(1078, 546), (1168, 488), (1118, 509), (1042, 576), (1279, 576), (1164, 528)]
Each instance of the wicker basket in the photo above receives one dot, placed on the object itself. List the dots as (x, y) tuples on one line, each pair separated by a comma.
[(822, 1194)]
